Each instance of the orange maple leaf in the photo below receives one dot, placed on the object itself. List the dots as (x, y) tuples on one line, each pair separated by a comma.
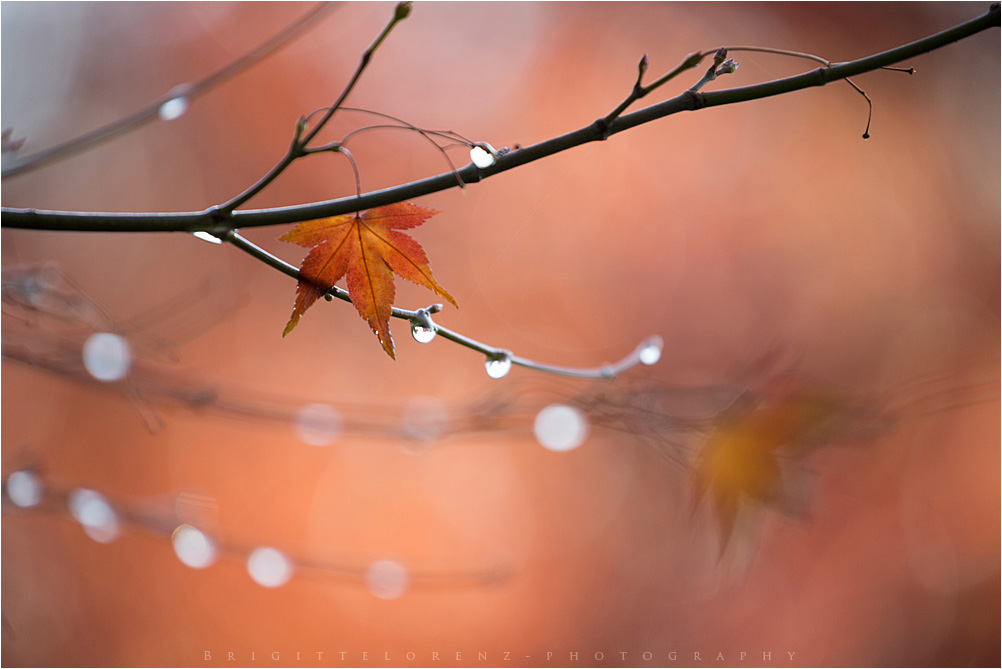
[(367, 249)]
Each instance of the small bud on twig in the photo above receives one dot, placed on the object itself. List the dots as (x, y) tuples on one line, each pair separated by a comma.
[(728, 67), (642, 68)]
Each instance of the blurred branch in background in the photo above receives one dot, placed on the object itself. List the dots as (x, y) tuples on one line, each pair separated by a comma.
[(170, 106)]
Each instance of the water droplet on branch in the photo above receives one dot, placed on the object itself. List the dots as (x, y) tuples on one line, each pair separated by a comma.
[(650, 352), (173, 108), (206, 237), (498, 367), (421, 334), (481, 157)]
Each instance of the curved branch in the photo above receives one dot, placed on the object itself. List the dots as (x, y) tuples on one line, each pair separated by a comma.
[(217, 222), (647, 352), (188, 91)]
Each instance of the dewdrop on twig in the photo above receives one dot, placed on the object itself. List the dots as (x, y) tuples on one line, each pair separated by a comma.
[(483, 155), (173, 108), (498, 367), (421, 334), (650, 350), (206, 237)]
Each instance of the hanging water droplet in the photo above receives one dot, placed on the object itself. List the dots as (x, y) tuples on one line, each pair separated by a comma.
[(481, 157), (498, 367), (107, 356), (206, 237), (421, 334), (24, 488), (650, 352), (173, 108)]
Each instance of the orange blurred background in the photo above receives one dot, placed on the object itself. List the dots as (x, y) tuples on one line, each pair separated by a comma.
[(762, 231)]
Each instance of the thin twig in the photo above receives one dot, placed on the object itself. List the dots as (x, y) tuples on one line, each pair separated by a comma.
[(422, 318), (299, 144), (187, 91)]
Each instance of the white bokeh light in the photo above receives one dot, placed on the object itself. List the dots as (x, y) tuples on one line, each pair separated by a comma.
[(93, 512), (269, 567), (24, 488), (559, 427), (107, 356), (192, 547), (318, 424), (387, 579)]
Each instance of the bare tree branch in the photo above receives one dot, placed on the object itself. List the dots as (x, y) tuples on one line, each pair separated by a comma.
[(217, 221)]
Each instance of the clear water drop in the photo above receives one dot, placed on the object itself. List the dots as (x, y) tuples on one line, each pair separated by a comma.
[(24, 488), (269, 567), (387, 579), (107, 356), (481, 157), (421, 334), (206, 237), (559, 427), (173, 108), (95, 514), (318, 424), (650, 352), (498, 367), (193, 547)]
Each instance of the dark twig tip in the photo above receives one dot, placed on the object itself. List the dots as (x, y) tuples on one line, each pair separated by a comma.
[(642, 68)]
